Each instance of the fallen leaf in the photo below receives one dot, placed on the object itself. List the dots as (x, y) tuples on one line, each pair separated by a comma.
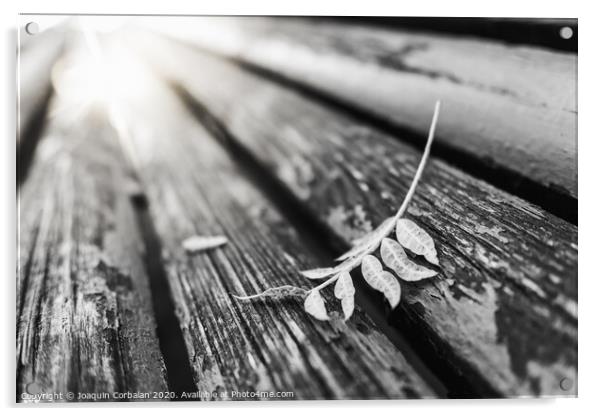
[(198, 243), (409, 235)]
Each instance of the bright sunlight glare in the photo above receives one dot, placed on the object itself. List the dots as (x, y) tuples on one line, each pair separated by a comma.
[(99, 73)]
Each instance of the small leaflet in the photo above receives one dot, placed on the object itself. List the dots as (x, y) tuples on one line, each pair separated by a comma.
[(345, 291), (415, 239), (314, 305), (371, 268), (199, 243), (381, 280), (396, 259)]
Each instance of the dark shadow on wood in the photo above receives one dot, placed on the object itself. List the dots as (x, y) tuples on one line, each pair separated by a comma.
[(30, 136), (171, 340), (444, 372)]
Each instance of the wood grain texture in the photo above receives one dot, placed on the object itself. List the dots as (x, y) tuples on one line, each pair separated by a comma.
[(502, 315), (512, 107), (193, 188), (84, 315)]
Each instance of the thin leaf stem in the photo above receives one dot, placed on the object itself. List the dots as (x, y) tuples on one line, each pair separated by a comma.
[(425, 155)]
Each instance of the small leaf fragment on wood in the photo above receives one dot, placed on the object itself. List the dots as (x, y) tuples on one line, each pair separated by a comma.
[(276, 293), (199, 243), (314, 305), (415, 239)]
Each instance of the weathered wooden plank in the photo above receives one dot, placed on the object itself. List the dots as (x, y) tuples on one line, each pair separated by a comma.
[(512, 107), (193, 188), (502, 316), (84, 314)]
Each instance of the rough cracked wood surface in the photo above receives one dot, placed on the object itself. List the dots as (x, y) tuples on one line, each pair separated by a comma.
[(84, 316), (513, 107), (503, 313), (193, 188)]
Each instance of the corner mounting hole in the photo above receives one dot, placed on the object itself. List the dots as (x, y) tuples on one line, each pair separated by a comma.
[(566, 32), (32, 28), (566, 384)]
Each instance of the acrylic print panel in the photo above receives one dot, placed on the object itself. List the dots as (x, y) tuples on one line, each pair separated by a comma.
[(271, 208)]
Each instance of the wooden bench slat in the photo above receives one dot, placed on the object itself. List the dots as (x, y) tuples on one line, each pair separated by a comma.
[(193, 188), (84, 312), (502, 314), (511, 107)]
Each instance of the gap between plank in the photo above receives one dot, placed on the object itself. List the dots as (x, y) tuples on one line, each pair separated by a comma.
[(180, 377)]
